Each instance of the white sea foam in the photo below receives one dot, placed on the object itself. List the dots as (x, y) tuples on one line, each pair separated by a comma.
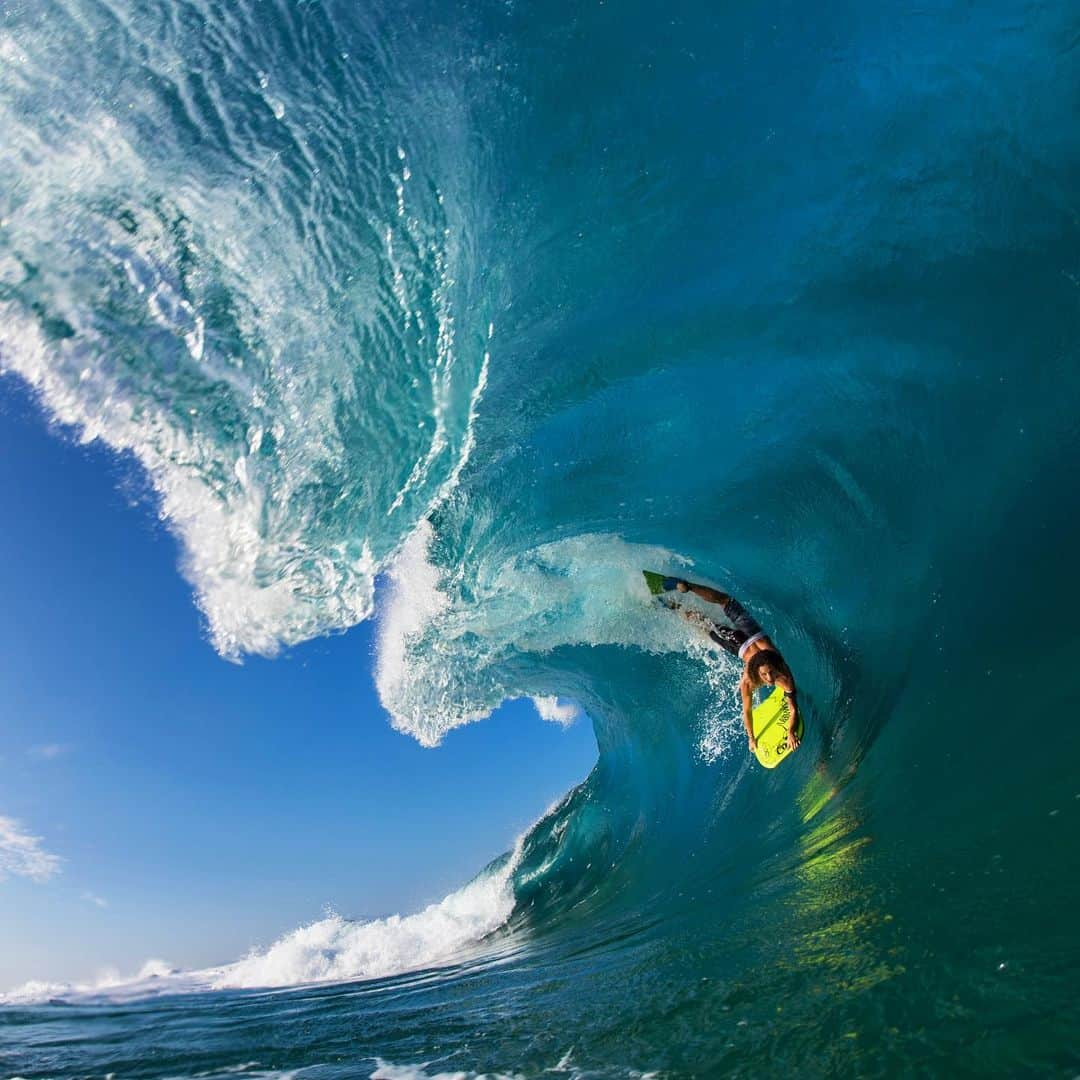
[(388, 1071), (721, 726), (109, 982), (439, 651), (332, 949), (414, 601), (222, 526), (430, 1070)]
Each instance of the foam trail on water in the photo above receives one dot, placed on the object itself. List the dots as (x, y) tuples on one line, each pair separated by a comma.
[(387, 1070)]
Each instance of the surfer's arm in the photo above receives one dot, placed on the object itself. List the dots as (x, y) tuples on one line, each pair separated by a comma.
[(787, 684), (747, 711)]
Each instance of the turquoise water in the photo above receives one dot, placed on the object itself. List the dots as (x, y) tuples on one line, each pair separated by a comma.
[(458, 319)]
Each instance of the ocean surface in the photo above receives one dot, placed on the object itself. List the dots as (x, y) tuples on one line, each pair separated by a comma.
[(457, 316)]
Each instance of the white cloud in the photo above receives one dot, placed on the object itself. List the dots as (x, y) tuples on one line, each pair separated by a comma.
[(556, 710), (48, 751), (21, 855), (92, 898)]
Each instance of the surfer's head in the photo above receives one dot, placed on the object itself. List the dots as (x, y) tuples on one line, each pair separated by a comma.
[(765, 666)]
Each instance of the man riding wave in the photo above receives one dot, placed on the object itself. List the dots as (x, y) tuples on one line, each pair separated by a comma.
[(762, 663)]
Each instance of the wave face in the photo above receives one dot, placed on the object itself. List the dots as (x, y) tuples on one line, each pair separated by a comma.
[(499, 306)]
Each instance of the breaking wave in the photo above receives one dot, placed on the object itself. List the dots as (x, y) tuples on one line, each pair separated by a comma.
[(399, 322)]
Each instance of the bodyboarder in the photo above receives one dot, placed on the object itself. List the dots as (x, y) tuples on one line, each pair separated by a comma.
[(762, 663)]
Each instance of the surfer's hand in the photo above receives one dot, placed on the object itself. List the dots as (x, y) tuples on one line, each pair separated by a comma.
[(793, 738), (752, 742), (682, 586)]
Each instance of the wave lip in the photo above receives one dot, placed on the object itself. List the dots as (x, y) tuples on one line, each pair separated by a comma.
[(455, 642), (299, 390)]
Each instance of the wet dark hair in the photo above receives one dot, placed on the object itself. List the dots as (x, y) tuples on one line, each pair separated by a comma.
[(760, 659)]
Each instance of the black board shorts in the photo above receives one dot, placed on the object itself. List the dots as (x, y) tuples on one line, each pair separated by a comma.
[(742, 633)]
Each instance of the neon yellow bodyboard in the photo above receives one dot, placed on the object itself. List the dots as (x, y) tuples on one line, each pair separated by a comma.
[(770, 720)]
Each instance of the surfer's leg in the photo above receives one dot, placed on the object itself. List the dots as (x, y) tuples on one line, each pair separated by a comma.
[(706, 592), (742, 620)]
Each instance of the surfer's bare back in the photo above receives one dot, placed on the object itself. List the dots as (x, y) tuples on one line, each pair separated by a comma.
[(762, 663)]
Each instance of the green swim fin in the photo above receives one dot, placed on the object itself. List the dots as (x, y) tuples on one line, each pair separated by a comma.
[(658, 583)]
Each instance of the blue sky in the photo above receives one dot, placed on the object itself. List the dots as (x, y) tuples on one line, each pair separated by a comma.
[(196, 807)]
